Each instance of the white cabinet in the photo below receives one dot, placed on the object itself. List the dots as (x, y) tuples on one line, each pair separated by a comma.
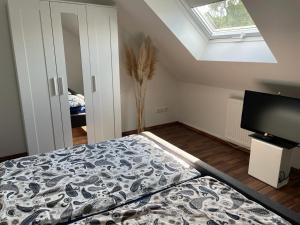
[(269, 163), (60, 47)]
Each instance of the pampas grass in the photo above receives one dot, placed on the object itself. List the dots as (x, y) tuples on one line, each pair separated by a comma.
[(141, 66)]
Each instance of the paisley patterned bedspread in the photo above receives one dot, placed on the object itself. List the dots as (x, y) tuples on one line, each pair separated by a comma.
[(201, 201), (71, 183)]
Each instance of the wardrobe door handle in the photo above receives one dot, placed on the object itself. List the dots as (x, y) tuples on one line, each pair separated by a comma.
[(94, 85), (54, 86), (61, 85)]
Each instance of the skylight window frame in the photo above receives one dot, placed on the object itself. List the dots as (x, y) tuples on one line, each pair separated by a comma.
[(237, 33)]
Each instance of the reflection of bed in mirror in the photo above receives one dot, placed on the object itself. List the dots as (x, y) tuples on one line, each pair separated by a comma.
[(77, 109)]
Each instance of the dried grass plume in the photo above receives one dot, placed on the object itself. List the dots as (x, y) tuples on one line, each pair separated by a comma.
[(140, 65)]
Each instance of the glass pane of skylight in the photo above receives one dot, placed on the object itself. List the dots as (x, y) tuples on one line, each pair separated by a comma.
[(225, 16)]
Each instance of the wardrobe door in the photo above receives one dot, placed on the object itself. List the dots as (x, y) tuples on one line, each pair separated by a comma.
[(103, 39), (73, 64), (52, 74), (31, 72)]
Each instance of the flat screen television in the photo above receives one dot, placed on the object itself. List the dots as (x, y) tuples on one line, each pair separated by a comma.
[(272, 116)]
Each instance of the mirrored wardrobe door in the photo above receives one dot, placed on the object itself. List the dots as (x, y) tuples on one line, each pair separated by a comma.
[(73, 69)]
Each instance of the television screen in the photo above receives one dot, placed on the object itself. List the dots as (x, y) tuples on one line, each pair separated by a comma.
[(275, 115)]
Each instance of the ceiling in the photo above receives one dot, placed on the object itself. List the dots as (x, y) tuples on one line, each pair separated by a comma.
[(277, 20)]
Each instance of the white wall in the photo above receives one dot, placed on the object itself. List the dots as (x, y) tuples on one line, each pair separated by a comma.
[(252, 50), (161, 93), (162, 89), (204, 107), (296, 158), (12, 139)]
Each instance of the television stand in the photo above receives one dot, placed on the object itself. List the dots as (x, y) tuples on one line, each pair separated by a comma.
[(275, 141), (270, 163)]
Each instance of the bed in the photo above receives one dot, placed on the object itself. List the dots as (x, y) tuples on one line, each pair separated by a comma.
[(139, 179), (200, 201), (77, 109)]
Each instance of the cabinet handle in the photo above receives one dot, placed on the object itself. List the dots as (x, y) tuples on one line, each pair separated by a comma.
[(94, 85), (61, 85), (54, 86)]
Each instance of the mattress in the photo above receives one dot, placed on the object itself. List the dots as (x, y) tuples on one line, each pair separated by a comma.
[(77, 110), (72, 183), (200, 201)]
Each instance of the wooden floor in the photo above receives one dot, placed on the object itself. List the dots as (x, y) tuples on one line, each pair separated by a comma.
[(229, 160), (79, 136)]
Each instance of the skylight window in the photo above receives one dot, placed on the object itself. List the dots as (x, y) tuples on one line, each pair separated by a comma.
[(226, 19), (197, 28)]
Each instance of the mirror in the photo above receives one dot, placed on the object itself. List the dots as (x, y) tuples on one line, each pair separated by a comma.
[(76, 100)]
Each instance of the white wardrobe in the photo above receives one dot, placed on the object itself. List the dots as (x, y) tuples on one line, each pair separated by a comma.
[(61, 46)]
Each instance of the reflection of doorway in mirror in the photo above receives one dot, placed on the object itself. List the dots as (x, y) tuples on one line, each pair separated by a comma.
[(76, 100)]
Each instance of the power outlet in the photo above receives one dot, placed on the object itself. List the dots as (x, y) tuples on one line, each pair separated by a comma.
[(162, 110)]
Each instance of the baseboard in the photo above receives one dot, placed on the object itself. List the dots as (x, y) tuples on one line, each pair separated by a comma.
[(2, 159), (126, 133), (216, 138)]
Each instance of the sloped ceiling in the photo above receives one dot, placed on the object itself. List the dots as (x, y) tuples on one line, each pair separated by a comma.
[(100, 2), (277, 20)]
